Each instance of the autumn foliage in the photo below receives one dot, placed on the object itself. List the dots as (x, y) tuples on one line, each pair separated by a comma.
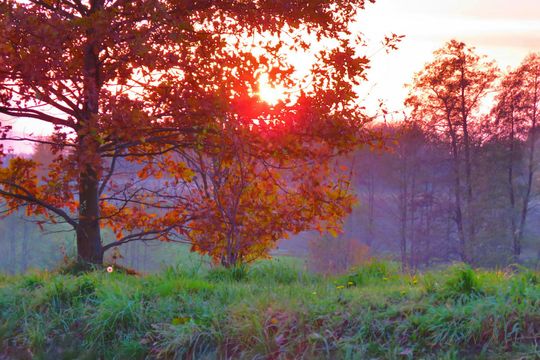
[(158, 129)]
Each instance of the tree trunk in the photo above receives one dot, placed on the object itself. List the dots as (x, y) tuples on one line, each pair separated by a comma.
[(429, 221), (513, 223), (371, 208), (457, 197), (403, 216), (89, 248), (13, 252), (530, 170), (25, 254), (470, 213), (413, 239)]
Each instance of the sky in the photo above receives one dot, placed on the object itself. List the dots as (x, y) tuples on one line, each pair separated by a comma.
[(505, 31)]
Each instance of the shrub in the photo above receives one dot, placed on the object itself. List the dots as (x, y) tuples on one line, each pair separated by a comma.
[(373, 271), (462, 284), (331, 255)]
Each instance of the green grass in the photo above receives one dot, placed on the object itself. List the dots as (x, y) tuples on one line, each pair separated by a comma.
[(272, 309)]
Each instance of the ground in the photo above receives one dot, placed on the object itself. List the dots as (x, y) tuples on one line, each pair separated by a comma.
[(272, 310)]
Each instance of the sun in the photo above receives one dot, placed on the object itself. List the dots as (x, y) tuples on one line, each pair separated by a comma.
[(268, 93)]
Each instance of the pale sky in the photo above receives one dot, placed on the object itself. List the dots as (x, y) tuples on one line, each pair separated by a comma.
[(504, 30)]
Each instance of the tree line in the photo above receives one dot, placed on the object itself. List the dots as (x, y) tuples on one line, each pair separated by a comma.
[(460, 182)]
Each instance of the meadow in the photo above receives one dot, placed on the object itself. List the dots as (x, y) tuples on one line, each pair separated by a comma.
[(273, 309)]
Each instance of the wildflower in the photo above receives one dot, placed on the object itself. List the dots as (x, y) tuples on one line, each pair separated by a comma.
[(180, 320), (414, 280), (110, 269), (340, 287), (350, 283)]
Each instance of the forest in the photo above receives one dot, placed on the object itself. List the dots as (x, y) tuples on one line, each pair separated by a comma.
[(202, 180)]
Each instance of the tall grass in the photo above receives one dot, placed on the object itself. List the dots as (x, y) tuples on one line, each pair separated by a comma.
[(272, 309)]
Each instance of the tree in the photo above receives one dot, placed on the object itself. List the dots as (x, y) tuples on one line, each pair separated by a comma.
[(444, 97), (516, 116), (129, 81), (250, 191)]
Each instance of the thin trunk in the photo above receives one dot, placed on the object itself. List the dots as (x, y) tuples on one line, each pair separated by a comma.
[(371, 208), (25, 254), (145, 258), (512, 195), (468, 164), (457, 197), (414, 247), (429, 213), (13, 252), (530, 169), (403, 215), (449, 244)]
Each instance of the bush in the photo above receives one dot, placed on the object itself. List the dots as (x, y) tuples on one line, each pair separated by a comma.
[(372, 272), (329, 255), (463, 283)]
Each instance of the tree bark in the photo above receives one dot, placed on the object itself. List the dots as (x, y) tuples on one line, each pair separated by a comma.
[(89, 246)]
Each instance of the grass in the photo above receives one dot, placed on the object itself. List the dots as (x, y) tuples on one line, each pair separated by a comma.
[(272, 309)]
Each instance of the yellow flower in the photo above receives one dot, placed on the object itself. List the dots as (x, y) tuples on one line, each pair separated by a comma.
[(350, 283), (180, 320), (340, 287)]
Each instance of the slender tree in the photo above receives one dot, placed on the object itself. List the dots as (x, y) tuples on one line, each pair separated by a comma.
[(444, 97), (516, 116)]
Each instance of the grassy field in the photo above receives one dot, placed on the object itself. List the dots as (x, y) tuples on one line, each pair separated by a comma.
[(272, 310)]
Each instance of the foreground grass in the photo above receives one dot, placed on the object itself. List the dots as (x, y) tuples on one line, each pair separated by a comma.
[(272, 310)]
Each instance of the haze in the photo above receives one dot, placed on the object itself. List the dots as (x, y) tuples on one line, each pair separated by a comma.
[(505, 31)]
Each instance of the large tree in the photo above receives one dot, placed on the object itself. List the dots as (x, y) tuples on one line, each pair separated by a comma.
[(444, 98), (130, 81)]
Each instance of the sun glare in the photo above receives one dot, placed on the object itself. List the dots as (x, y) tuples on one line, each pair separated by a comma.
[(268, 93)]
